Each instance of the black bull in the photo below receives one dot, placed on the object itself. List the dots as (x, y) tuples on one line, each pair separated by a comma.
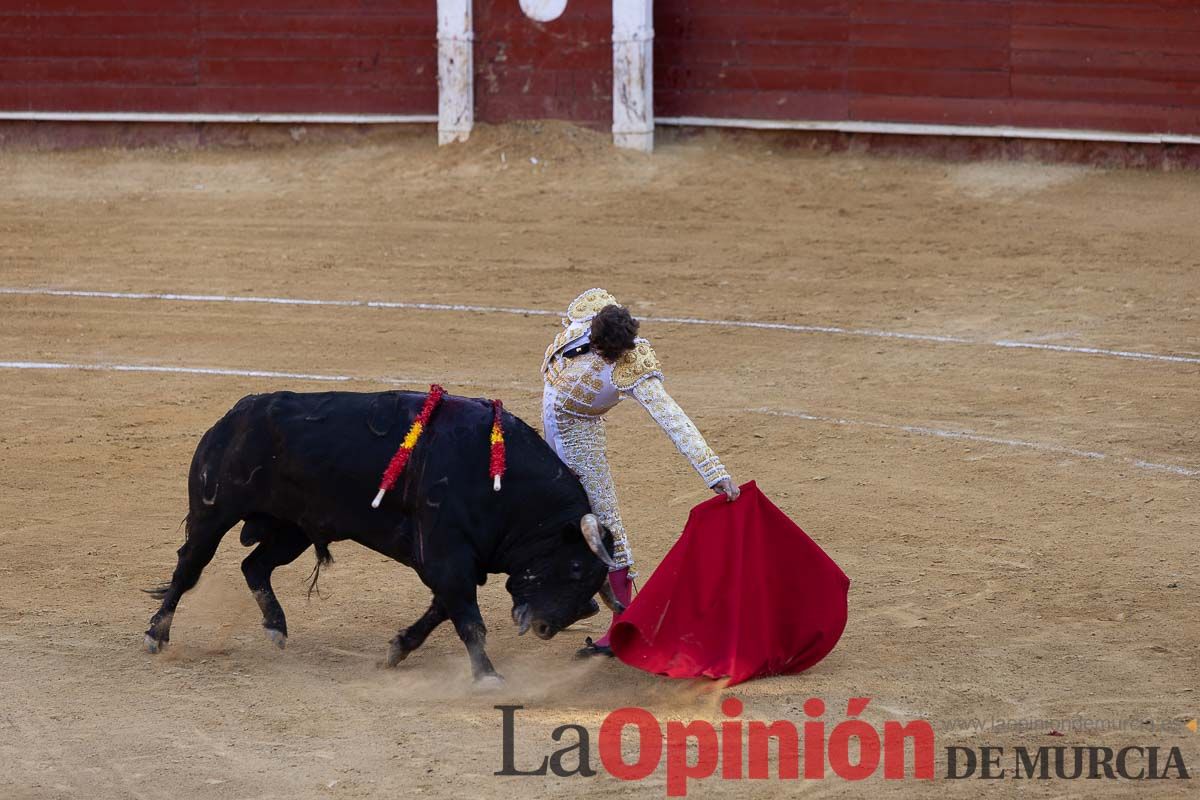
[(301, 470)]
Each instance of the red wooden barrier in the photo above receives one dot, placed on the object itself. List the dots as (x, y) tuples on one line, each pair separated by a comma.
[(1114, 65), (327, 56), (1095, 64), (560, 69)]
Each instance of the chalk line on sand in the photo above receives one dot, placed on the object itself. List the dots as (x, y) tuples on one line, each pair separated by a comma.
[(916, 430), (833, 330)]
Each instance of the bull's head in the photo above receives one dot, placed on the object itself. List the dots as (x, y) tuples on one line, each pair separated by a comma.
[(558, 589)]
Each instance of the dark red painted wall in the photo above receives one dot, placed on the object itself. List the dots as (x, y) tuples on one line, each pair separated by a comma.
[(334, 56), (560, 69), (1106, 64), (1102, 64)]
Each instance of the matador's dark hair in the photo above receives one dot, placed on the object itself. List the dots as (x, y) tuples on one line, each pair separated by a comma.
[(613, 332)]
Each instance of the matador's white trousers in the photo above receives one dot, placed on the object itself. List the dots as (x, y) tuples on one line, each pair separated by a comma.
[(581, 443)]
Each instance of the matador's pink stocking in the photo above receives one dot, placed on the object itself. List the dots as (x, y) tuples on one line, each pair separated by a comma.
[(622, 586)]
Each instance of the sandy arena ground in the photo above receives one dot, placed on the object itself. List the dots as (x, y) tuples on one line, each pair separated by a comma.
[(1045, 570)]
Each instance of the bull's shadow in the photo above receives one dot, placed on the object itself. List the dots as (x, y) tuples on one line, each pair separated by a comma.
[(300, 471)]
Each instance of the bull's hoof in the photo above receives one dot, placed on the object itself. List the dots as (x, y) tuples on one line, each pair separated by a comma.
[(396, 654), (489, 683), (152, 645), (592, 650), (277, 638)]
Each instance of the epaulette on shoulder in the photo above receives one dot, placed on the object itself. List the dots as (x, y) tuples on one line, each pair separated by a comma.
[(635, 365)]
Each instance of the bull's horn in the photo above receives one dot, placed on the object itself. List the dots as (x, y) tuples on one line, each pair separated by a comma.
[(595, 540), (610, 598), (523, 617)]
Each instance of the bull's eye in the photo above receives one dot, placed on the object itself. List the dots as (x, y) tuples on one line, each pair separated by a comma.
[(576, 570)]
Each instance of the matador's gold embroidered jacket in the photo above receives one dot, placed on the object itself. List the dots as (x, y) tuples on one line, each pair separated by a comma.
[(580, 389)]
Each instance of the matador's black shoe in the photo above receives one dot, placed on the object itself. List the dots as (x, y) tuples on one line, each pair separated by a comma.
[(591, 650)]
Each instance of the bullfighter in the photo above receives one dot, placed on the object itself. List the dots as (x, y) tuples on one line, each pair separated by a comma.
[(594, 362)]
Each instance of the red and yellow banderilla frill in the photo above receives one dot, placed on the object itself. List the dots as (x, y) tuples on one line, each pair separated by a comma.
[(497, 462), (396, 466), (400, 459)]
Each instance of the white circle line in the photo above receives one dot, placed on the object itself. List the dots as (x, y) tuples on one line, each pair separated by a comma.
[(917, 430), (921, 430), (541, 312)]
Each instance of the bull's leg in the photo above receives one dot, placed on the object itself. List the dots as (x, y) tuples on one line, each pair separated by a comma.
[(468, 622), (415, 635), (203, 536), (280, 543)]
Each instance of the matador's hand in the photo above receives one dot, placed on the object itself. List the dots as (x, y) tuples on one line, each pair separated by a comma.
[(728, 488)]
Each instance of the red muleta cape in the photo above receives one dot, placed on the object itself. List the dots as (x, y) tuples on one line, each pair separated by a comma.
[(743, 594)]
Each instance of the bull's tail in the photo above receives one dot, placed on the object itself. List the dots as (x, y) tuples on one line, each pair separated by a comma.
[(324, 558), (224, 465), (201, 529), (158, 592)]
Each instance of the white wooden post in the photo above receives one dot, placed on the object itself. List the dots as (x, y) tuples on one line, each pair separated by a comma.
[(456, 90), (633, 74)]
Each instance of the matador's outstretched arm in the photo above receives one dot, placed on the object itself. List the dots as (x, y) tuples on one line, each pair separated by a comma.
[(639, 374), (666, 412)]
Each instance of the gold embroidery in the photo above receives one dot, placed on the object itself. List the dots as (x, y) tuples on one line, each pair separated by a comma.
[(588, 304), (580, 390), (570, 332), (578, 400), (687, 438), (583, 447), (578, 382), (635, 365), (578, 320)]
